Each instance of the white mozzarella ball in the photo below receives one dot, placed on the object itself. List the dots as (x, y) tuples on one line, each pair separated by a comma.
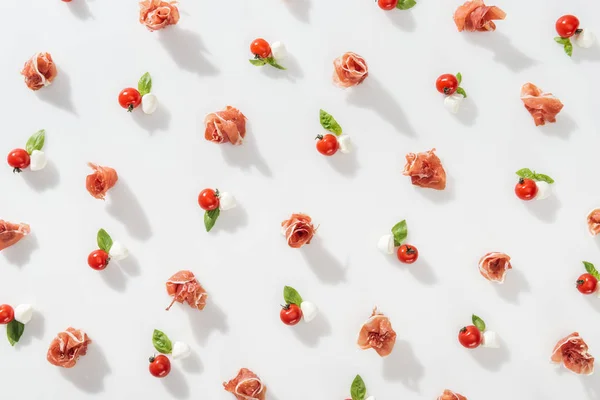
[(345, 144), (118, 251), (278, 50), (149, 103), (370, 398), (490, 340), (180, 350), (544, 190), (226, 201), (23, 313), (38, 160), (585, 39), (309, 310), (386, 244), (453, 102)]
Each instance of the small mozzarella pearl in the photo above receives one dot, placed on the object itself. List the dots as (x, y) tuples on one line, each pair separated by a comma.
[(585, 39), (149, 103), (226, 201), (453, 102), (23, 313), (386, 244), (180, 350), (490, 340), (38, 160), (345, 144), (544, 190), (278, 50), (309, 310), (370, 398), (118, 251)]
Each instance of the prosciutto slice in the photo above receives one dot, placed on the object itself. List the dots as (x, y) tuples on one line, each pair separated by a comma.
[(100, 181), (450, 395), (11, 233), (184, 287), (39, 71), (246, 386), (572, 352), (349, 69), (593, 221), (543, 107), (377, 334), (224, 126), (425, 170), (493, 266), (476, 16), (67, 347), (298, 230)]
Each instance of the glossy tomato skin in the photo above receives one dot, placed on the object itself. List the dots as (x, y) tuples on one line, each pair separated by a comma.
[(98, 259), (208, 200), (407, 254), (327, 145), (587, 284), (567, 25), (470, 337), (291, 314), (160, 366), (526, 189), (260, 48), (130, 98), (446, 84), (18, 159), (7, 314), (387, 4)]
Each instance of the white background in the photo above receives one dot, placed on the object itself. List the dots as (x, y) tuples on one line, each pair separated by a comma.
[(163, 161)]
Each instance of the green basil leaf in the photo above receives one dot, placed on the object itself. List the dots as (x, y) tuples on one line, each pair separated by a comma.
[(561, 40), (259, 62), (400, 232), (589, 267), (459, 77), (569, 48), (542, 177), (161, 342), (358, 390), (210, 217), (272, 62), (525, 173), (36, 141), (104, 240), (478, 322), (291, 296), (329, 123), (461, 91), (406, 4), (14, 330), (145, 84)]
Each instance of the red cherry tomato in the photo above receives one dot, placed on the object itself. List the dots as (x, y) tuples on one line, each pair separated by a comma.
[(446, 84), (327, 145), (587, 284), (67, 1), (160, 366), (291, 314), (7, 314), (208, 200), (130, 98), (387, 4), (567, 25), (18, 159), (98, 259), (470, 337), (407, 254), (526, 189), (260, 48)]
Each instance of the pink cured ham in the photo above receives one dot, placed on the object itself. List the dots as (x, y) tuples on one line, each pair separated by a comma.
[(184, 287), (450, 395), (67, 347), (349, 69), (543, 107), (493, 266), (246, 386), (425, 170), (593, 221), (476, 16), (572, 352), (39, 71), (100, 181), (377, 334), (11, 233), (298, 230), (224, 126)]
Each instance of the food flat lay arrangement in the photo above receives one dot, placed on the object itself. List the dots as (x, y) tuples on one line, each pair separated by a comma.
[(213, 200)]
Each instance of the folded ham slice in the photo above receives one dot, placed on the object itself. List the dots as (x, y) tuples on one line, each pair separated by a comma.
[(184, 287), (67, 347), (572, 352), (543, 107), (246, 386), (224, 126), (100, 181), (450, 395), (349, 69), (377, 334), (593, 221), (11, 233), (298, 230), (493, 266), (476, 16), (39, 71), (425, 170)]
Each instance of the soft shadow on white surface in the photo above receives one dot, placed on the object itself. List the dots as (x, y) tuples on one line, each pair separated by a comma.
[(59, 92), (505, 52), (89, 372), (421, 270), (372, 94), (345, 164), (130, 265), (80, 9), (34, 329), (491, 359), (20, 253), (591, 54), (176, 384), (513, 287), (437, 196), (231, 220), (403, 19), (212, 318), (245, 155), (114, 277), (545, 210), (467, 115), (562, 128), (157, 121), (192, 364), (592, 386), (327, 268), (299, 9), (310, 333), (402, 365), (292, 70), (187, 50), (125, 207), (47, 178), (592, 300)]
